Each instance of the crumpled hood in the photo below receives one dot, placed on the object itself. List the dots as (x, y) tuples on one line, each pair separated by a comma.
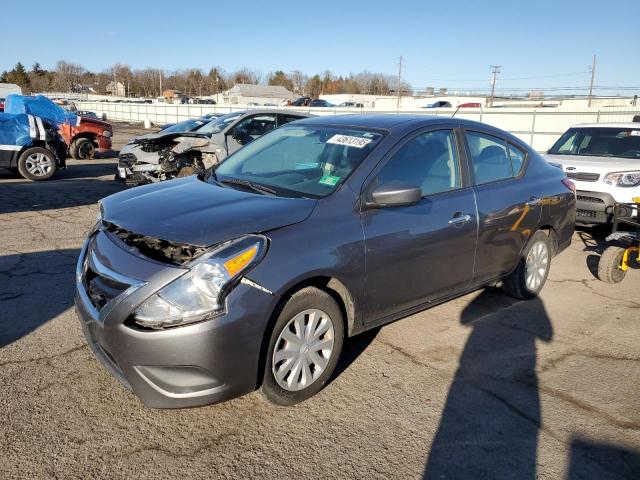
[(197, 213), (594, 164), (164, 137)]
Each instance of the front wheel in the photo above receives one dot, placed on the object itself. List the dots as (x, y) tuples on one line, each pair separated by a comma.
[(609, 264), (527, 280), (37, 164), (82, 149), (304, 347)]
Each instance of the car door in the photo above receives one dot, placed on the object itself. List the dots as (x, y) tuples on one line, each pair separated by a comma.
[(425, 251), (509, 207), (248, 129)]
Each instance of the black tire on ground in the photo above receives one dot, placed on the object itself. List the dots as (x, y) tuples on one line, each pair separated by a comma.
[(82, 149), (31, 157), (515, 284), (609, 264), (305, 299)]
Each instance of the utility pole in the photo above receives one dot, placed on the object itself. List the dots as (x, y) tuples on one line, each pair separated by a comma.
[(495, 70), (399, 81), (593, 74), (160, 72)]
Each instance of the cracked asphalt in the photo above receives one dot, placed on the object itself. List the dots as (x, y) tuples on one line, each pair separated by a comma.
[(481, 387)]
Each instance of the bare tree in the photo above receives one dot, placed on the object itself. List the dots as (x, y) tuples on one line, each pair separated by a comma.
[(67, 76)]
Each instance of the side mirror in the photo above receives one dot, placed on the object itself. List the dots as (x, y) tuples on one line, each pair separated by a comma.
[(395, 194)]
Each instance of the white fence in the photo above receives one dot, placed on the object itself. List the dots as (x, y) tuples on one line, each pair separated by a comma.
[(539, 127)]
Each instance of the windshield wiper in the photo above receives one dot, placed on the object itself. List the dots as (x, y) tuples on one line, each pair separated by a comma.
[(256, 187)]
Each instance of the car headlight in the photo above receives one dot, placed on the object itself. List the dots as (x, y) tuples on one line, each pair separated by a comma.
[(199, 293), (623, 179), (107, 133)]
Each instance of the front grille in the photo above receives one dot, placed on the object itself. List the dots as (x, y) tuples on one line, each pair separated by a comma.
[(591, 216), (126, 159), (587, 198), (586, 213), (101, 289), (583, 176)]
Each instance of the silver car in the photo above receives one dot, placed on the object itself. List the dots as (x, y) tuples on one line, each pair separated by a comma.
[(166, 155)]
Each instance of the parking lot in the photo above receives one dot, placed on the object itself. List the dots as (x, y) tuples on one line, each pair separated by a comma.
[(555, 379)]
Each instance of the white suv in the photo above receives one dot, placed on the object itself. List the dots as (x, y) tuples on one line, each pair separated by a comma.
[(603, 160)]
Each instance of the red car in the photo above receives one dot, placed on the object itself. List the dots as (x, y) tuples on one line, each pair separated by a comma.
[(469, 105)]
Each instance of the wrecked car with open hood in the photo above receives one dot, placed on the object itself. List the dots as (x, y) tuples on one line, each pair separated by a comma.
[(166, 155)]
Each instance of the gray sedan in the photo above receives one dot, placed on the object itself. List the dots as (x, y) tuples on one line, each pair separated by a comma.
[(253, 274)]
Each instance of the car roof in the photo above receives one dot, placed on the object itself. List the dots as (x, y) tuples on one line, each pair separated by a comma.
[(608, 125), (273, 110), (387, 121)]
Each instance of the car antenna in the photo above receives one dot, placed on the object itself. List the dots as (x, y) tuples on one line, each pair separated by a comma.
[(454, 113)]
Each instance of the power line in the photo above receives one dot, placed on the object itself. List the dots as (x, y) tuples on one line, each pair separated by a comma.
[(399, 81), (593, 74), (495, 70)]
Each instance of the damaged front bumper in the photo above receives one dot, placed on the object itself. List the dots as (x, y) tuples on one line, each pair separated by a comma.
[(150, 161), (185, 366)]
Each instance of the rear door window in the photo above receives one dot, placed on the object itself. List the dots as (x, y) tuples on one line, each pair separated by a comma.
[(490, 158), (517, 157)]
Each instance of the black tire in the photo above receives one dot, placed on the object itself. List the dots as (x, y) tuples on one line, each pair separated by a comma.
[(305, 299), (515, 284), (609, 264), (27, 159), (82, 149)]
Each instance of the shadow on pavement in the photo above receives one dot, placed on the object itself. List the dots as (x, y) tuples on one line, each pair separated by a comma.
[(69, 189), (34, 288), (353, 348), (489, 426), (594, 240), (602, 461)]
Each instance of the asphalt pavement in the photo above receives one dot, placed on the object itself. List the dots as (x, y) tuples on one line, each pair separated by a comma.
[(480, 387)]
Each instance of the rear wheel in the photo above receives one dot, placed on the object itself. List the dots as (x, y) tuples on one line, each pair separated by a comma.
[(304, 347), (37, 164), (527, 280), (609, 264), (82, 149)]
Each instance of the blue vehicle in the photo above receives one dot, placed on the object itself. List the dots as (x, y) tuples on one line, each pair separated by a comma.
[(31, 146)]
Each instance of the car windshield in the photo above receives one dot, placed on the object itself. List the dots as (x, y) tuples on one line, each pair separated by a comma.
[(600, 142), (185, 126), (300, 161), (219, 124)]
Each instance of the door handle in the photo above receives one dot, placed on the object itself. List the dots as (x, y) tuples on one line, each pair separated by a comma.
[(459, 220), (533, 201)]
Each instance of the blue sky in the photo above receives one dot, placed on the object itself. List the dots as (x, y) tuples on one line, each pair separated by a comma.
[(444, 44)]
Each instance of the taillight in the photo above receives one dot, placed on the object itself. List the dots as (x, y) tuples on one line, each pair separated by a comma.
[(569, 184)]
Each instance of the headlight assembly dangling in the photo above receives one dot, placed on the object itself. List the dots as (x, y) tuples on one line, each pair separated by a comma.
[(199, 293)]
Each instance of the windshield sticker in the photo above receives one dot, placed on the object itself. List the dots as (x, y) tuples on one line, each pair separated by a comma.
[(349, 141), (329, 180)]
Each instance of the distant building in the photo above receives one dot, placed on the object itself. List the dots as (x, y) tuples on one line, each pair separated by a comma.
[(8, 89), (174, 96), (242, 93), (116, 89)]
